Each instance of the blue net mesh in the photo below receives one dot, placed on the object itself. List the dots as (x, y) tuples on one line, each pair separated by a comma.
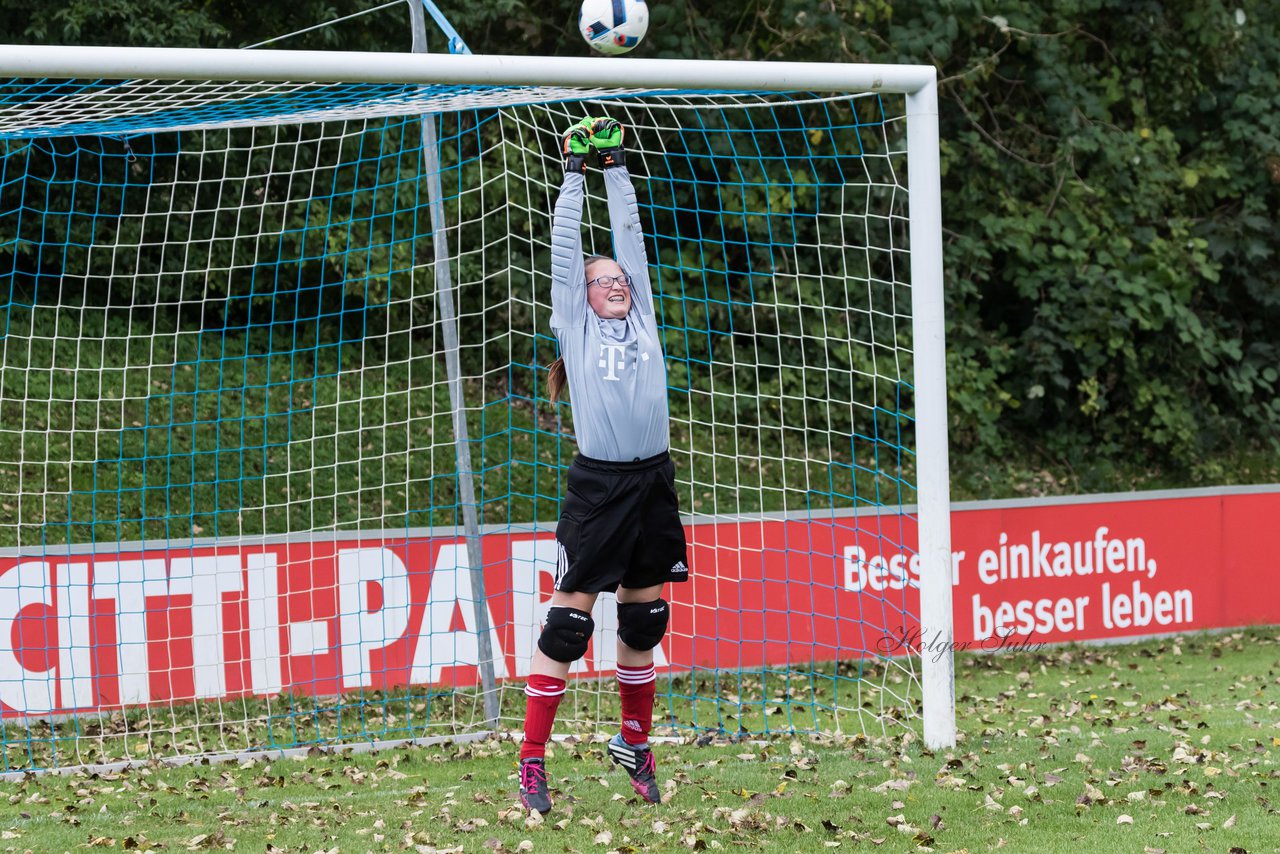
[(230, 507)]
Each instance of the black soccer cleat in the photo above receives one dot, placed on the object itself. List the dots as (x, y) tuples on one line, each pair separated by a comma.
[(640, 764), (533, 786)]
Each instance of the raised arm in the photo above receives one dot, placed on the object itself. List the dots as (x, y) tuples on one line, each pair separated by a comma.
[(628, 236), (624, 213), (568, 280)]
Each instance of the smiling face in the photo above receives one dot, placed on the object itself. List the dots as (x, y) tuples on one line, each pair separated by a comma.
[(613, 302)]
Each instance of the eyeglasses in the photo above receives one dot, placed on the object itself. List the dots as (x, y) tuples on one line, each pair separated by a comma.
[(609, 281)]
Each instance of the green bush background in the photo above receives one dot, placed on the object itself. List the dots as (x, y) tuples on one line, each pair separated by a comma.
[(1111, 179)]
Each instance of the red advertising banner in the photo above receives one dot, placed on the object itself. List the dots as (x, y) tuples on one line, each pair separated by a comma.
[(100, 630)]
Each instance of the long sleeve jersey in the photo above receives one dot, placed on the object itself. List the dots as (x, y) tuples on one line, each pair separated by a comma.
[(617, 376)]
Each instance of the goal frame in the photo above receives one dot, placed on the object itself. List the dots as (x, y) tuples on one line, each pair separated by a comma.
[(918, 83)]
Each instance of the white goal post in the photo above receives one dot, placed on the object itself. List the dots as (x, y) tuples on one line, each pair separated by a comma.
[(180, 78)]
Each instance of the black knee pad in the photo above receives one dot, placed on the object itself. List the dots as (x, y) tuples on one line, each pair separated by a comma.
[(565, 634), (641, 625)]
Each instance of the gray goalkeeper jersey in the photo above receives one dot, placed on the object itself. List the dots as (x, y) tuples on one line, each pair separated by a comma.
[(617, 377)]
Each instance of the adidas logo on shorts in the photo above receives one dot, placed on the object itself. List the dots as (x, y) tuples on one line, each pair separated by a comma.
[(679, 568)]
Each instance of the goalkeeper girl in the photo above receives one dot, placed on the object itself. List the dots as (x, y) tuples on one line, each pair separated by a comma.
[(619, 524)]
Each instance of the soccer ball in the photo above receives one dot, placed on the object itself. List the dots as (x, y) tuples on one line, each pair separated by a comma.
[(613, 26)]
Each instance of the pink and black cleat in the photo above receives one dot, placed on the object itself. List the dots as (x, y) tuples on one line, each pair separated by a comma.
[(534, 794), (640, 764)]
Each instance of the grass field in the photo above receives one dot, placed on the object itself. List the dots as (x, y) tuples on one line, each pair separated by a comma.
[(1168, 745)]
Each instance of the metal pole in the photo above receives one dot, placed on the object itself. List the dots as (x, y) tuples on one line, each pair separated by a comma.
[(932, 472), (449, 324), (166, 63)]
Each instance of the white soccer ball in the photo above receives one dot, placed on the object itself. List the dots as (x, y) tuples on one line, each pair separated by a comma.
[(613, 26)]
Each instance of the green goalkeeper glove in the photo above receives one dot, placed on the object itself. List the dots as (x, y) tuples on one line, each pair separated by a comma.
[(606, 138), (575, 145)]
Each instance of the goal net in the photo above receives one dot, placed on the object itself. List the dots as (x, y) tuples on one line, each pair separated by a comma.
[(277, 464)]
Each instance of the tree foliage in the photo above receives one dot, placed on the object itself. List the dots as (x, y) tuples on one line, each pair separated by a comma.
[(1111, 184)]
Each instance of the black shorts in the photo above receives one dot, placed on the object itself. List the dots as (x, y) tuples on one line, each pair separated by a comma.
[(620, 526)]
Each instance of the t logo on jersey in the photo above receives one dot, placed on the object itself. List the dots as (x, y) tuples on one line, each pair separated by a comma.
[(612, 359)]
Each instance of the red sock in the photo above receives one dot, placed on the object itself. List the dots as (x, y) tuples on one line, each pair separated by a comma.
[(636, 686), (542, 698)]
